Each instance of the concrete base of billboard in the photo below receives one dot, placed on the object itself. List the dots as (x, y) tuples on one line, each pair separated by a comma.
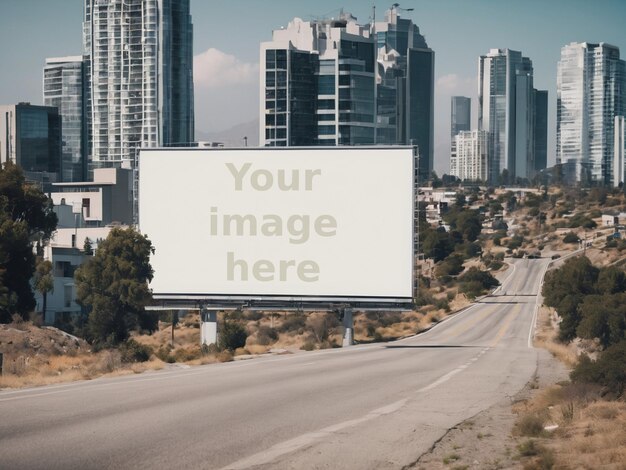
[(208, 327), (348, 328)]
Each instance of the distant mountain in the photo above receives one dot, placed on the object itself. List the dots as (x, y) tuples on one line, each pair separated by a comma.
[(233, 137)]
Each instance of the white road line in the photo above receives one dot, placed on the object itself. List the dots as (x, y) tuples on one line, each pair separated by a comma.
[(533, 324), (293, 445)]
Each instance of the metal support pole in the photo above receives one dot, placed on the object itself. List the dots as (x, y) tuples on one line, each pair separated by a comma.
[(208, 327), (348, 328)]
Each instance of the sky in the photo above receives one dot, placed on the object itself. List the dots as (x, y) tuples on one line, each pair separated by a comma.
[(227, 34)]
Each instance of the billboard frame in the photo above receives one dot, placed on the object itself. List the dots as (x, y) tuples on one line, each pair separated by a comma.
[(283, 302)]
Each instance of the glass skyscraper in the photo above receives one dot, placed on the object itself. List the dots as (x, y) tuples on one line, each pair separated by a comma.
[(591, 91), (541, 129), (405, 87), (139, 78), (506, 109), (30, 136), (317, 84), (460, 115), (335, 82), (63, 87)]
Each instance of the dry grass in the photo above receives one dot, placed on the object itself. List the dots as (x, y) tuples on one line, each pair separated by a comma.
[(58, 369), (591, 432), (546, 338)]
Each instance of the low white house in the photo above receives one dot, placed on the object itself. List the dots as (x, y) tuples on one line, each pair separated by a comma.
[(85, 210), (611, 219)]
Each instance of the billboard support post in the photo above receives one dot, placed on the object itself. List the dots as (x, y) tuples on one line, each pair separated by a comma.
[(208, 327), (348, 327)]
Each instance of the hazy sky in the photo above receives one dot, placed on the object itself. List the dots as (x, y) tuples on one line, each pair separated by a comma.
[(227, 34)]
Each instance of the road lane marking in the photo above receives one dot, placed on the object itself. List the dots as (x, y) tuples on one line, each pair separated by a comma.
[(504, 328), (304, 440), (463, 327), (533, 324), (307, 439), (507, 278)]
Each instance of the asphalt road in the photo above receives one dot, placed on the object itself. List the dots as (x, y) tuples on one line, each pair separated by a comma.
[(364, 407)]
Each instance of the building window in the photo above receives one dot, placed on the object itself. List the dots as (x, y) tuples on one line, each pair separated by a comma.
[(86, 207)]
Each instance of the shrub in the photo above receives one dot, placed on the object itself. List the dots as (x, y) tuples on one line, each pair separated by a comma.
[(442, 304), (530, 425), (132, 351), (266, 335), (163, 353), (609, 370), (231, 336), (424, 297), (293, 322), (187, 354), (253, 315), (451, 266), (570, 237), (308, 346), (515, 242)]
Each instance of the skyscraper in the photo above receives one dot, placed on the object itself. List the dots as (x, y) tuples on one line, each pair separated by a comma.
[(469, 160), (317, 84), (591, 91), (63, 87), (30, 136), (460, 115), (506, 109), (405, 87), (139, 78), (335, 82), (619, 149), (541, 129)]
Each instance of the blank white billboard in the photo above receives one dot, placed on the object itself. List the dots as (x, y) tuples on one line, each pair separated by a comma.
[(286, 223)]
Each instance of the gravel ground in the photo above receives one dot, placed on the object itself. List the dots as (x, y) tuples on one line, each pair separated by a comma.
[(485, 441)]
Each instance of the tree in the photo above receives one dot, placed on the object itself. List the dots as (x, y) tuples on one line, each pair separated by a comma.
[(603, 317), (608, 370), (459, 200), (44, 282), (27, 219), (437, 244), (113, 285), (232, 335), (88, 247), (468, 223)]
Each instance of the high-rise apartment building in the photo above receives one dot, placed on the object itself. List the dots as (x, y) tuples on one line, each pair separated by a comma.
[(405, 87), (507, 111), (63, 87), (317, 84), (30, 136), (469, 162), (619, 151), (335, 82), (541, 129), (460, 115), (591, 91), (139, 78)]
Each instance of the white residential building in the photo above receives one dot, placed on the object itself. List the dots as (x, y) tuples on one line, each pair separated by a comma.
[(469, 160), (619, 151), (591, 84), (138, 62)]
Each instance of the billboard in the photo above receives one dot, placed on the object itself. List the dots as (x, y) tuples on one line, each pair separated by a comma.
[(291, 223)]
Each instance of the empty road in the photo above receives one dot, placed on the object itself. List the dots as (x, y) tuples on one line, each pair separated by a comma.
[(364, 407)]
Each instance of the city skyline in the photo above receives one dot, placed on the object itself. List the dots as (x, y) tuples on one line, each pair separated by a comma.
[(226, 64)]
